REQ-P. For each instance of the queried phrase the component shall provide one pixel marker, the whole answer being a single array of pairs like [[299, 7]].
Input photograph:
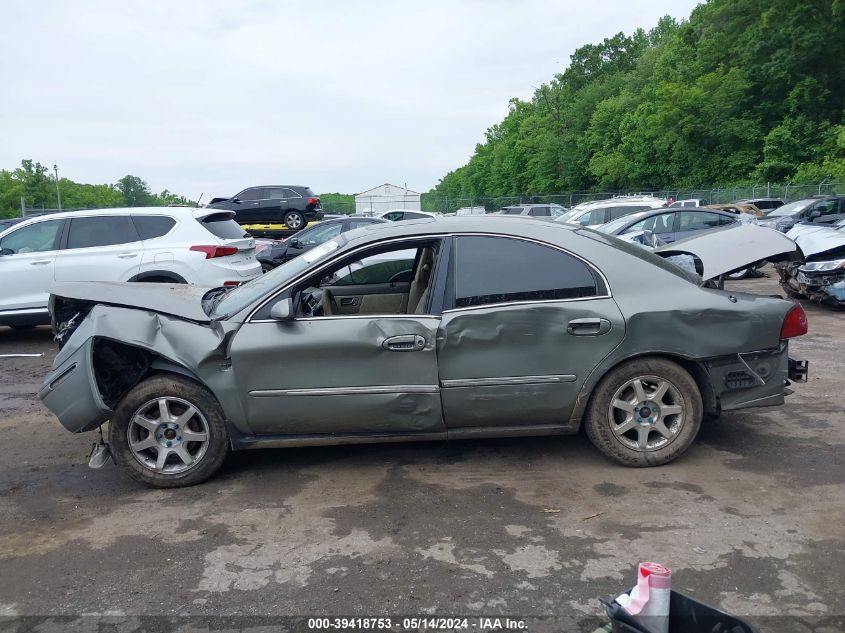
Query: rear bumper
[[754, 379]]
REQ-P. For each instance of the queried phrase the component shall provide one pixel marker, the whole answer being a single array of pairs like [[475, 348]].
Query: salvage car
[[426, 330], [819, 210], [822, 276], [283, 250]]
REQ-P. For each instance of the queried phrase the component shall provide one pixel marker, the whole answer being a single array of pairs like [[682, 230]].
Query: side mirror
[[236, 200], [815, 214], [295, 243], [282, 310]]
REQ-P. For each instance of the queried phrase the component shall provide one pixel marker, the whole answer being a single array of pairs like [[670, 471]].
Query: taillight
[[313, 201], [795, 323], [231, 284], [215, 251]]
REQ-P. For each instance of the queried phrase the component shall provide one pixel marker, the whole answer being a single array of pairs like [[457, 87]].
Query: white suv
[[156, 244]]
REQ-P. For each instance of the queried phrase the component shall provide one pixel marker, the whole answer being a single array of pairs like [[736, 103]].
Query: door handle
[[588, 327], [127, 255], [40, 262], [404, 343], [349, 301]]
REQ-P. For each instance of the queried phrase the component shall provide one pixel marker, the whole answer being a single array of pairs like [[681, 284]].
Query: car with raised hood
[[821, 277], [283, 250], [153, 245], [291, 205], [820, 210], [423, 330]]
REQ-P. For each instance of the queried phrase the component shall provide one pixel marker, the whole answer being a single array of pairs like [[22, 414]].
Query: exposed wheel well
[[118, 367]]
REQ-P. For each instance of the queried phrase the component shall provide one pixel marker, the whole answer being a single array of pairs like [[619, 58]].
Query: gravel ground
[[750, 519]]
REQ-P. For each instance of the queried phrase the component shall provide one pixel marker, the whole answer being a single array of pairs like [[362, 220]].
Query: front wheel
[[169, 432], [294, 220], [645, 412]]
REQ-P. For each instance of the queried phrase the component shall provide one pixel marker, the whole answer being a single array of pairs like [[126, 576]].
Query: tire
[[606, 422], [137, 417], [294, 220]]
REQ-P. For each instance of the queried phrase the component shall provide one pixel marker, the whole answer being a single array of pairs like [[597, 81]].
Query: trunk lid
[[725, 251]]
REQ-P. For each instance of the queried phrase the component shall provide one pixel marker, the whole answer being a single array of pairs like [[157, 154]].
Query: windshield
[[612, 227], [239, 298], [569, 215], [790, 209]]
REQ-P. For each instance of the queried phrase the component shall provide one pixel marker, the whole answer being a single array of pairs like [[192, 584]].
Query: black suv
[[291, 205]]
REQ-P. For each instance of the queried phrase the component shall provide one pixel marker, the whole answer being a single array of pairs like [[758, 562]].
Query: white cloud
[[198, 96]]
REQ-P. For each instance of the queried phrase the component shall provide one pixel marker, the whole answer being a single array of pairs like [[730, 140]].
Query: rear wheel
[[646, 412], [294, 220], [169, 432]]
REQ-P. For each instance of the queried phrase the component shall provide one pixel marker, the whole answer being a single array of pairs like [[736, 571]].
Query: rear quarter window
[[152, 226], [223, 226]]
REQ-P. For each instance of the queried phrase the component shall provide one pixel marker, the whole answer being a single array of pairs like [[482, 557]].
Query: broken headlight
[[818, 267]]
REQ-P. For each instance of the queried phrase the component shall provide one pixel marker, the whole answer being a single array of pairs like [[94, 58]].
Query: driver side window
[[35, 238], [380, 281]]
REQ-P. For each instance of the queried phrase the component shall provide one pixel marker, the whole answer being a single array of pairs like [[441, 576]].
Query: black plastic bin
[[686, 615]]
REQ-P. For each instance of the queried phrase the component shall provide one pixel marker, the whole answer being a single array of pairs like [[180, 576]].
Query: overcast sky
[[202, 96]]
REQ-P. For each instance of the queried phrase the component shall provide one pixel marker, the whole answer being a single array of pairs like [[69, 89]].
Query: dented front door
[[339, 375]]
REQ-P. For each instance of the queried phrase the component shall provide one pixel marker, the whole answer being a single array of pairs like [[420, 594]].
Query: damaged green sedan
[[432, 329]]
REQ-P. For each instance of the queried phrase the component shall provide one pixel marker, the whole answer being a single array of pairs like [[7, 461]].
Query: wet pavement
[[750, 519]]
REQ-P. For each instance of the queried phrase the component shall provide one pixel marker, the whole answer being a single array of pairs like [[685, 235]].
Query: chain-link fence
[[787, 192]]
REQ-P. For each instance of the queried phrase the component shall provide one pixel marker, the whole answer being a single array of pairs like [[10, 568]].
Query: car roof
[[639, 215], [516, 225], [288, 186], [194, 212]]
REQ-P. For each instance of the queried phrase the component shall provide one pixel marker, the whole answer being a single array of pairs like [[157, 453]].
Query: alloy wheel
[[168, 435], [647, 413]]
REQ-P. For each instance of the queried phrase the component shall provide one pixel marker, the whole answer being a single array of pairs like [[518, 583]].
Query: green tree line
[[32, 181], [743, 91]]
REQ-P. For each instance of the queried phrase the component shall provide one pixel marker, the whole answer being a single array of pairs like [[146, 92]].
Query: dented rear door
[[529, 323]]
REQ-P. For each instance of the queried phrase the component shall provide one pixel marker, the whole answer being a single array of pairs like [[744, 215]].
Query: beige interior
[[412, 302]]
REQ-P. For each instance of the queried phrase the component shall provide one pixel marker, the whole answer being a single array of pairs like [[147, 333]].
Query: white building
[[386, 197]]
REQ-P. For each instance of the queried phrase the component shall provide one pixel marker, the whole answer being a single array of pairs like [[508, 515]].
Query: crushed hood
[[731, 249], [179, 300], [814, 239]]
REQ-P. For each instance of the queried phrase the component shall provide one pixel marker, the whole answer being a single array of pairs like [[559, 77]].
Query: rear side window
[[276, 193], [152, 226], [500, 270], [106, 230], [539, 211], [698, 220], [223, 226], [513, 211]]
